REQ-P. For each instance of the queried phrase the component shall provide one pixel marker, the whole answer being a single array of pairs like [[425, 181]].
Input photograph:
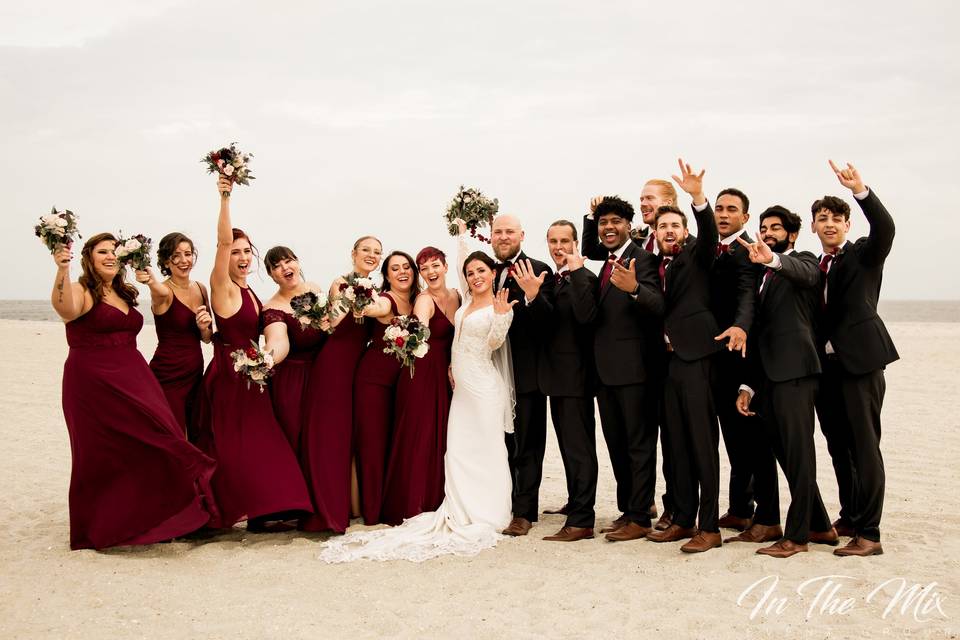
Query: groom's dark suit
[[527, 444], [564, 315]]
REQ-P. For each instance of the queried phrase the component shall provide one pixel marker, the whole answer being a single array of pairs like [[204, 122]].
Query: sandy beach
[[272, 586]]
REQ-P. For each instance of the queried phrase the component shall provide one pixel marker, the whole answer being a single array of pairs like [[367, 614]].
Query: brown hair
[[665, 209], [276, 254], [168, 246], [666, 186], [92, 282], [385, 269], [564, 223], [833, 204]]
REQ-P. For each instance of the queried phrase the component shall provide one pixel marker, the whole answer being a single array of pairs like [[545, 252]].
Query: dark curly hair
[[614, 205], [168, 246], [744, 200], [791, 222], [833, 204]]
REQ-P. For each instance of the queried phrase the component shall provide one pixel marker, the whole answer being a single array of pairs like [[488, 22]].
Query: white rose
[[120, 251], [365, 282], [421, 350], [268, 360], [349, 294], [228, 170], [238, 162], [60, 222], [322, 299]]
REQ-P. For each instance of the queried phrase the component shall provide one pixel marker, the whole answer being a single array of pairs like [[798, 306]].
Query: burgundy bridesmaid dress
[[374, 388], [178, 362], [288, 386], [414, 480], [257, 472], [326, 445], [135, 478]]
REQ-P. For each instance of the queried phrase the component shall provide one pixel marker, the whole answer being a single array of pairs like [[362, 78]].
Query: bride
[[476, 505]]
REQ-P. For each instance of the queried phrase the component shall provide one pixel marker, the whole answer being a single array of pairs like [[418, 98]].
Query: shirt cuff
[[746, 388], [775, 263], [863, 194], [700, 207]]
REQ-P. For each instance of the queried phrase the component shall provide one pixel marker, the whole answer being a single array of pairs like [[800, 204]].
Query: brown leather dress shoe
[[844, 529], [562, 511], [782, 549], [860, 546], [616, 524], [701, 542], [758, 533], [571, 534], [665, 521], [671, 534], [518, 527], [728, 521], [825, 537], [629, 531]]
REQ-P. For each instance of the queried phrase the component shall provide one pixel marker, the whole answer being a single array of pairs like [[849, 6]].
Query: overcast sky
[[365, 117]]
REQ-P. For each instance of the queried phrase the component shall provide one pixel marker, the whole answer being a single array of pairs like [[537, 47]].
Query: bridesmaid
[[293, 345], [135, 478], [257, 476], [326, 439], [414, 475], [375, 382], [182, 321]]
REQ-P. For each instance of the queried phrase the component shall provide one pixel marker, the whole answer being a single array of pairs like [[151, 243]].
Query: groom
[[526, 445]]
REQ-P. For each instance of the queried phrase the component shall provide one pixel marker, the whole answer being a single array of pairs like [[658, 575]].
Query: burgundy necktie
[[649, 243], [663, 273], [824, 268], [607, 270]]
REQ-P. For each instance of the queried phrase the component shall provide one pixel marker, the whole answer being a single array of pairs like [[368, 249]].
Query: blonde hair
[[666, 187]]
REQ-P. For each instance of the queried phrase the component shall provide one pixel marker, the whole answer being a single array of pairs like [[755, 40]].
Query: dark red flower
[[398, 341], [251, 353]]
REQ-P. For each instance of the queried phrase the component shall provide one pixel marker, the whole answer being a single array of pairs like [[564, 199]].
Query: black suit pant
[[575, 425]]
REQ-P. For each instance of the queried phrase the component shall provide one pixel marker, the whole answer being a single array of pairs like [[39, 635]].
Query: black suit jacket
[[621, 342], [850, 320], [689, 321], [733, 282], [564, 314], [524, 332], [783, 341]]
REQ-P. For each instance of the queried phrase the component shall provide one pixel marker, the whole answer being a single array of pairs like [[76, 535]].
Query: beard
[[781, 246]]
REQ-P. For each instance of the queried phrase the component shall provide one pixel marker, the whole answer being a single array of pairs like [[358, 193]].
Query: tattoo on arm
[[60, 289]]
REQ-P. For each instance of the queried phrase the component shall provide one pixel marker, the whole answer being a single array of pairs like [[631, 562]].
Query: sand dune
[[272, 586]]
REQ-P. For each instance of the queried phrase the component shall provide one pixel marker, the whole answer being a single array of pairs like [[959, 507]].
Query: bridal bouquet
[[406, 338], [230, 162], [311, 309], [134, 251], [57, 228], [474, 208], [356, 294], [253, 363]]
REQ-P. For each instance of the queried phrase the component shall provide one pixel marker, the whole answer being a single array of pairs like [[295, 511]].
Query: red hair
[[240, 233], [430, 253]]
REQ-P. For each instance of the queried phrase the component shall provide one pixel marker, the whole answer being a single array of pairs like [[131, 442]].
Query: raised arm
[[882, 228], [69, 299], [224, 296], [161, 296], [591, 238], [707, 234]]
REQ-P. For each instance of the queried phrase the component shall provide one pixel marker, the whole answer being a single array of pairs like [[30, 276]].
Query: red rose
[[398, 341], [252, 353], [343, 286]]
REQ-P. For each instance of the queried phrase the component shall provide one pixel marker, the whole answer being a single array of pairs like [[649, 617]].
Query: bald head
[[506, 236]]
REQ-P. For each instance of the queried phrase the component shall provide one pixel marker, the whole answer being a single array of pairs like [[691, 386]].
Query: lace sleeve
[[461, 258], [269, 316], [499, 328]]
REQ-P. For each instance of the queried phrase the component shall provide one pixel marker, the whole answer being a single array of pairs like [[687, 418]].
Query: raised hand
[[738, 340], [624, 278], [594, 203], [501, 303], [461, 226], [526, 278], [743, 404], [144, 276], [758, 252], [691, 182], [575, 260], [203, 318], [849, 177], [224, 185], [62, 256]]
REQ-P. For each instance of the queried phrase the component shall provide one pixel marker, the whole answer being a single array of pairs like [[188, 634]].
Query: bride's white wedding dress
[[477, 487]]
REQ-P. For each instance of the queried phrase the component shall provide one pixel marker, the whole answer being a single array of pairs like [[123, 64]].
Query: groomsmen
[[628, 300], [784, 370], [526, 445], [732, 291], [690, 331], [855, 348], [563, 315]]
